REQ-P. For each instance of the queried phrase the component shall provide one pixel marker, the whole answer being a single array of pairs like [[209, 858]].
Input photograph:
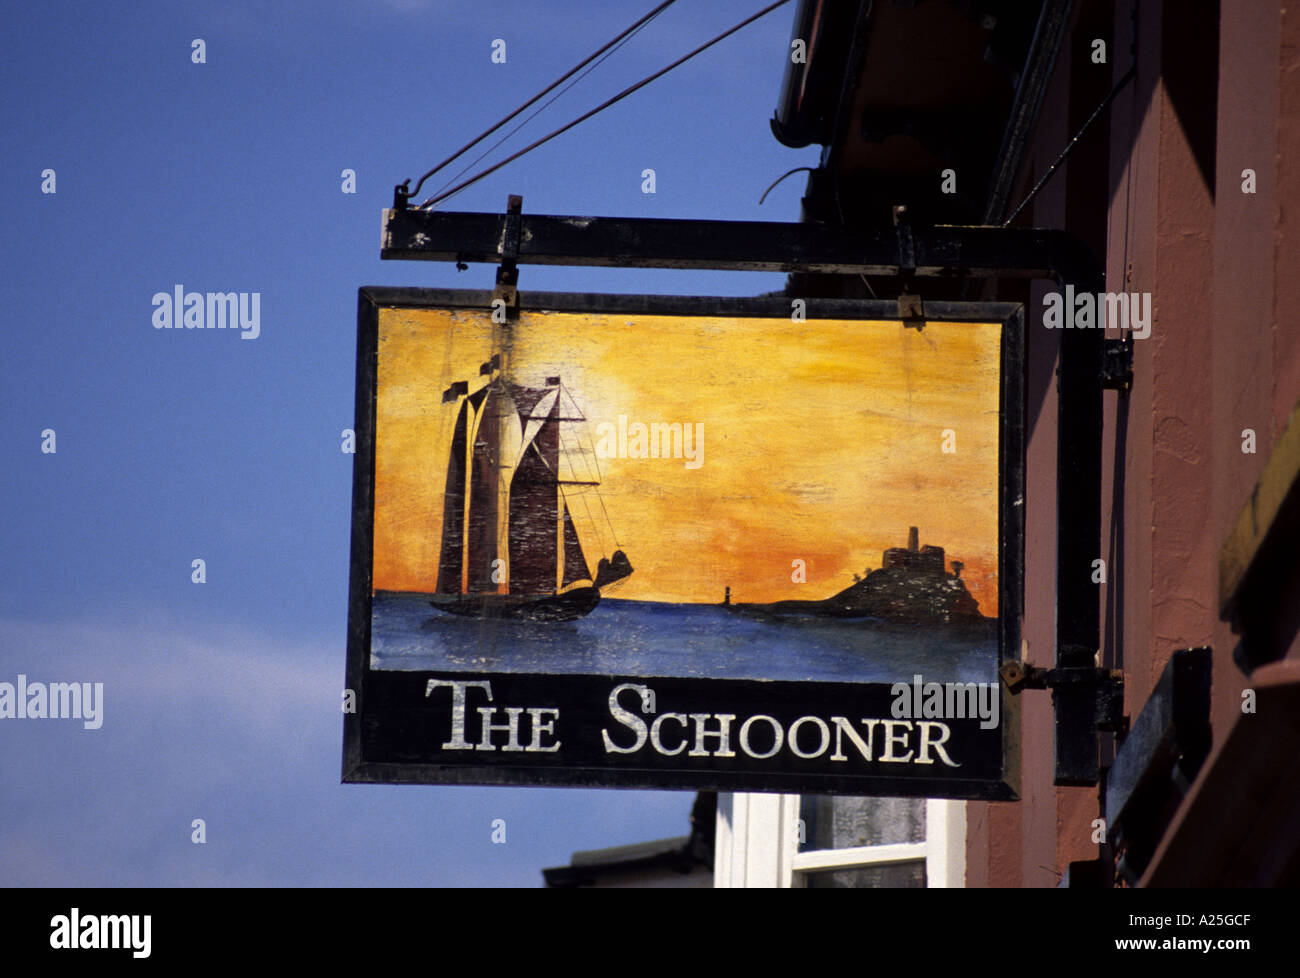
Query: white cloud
[[245, 730]]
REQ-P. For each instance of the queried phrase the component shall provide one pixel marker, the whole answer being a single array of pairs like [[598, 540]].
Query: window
[[823, 841]]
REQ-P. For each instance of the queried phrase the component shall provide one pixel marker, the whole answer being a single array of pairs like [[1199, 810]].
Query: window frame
[[757, 845]]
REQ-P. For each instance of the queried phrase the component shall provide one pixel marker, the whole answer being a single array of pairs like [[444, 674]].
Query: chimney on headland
[[913, 539]]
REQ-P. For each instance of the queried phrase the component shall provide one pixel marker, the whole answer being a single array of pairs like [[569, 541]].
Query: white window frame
[[757, 845]]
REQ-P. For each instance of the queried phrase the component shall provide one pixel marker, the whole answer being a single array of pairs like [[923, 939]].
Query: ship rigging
[[510, 546]]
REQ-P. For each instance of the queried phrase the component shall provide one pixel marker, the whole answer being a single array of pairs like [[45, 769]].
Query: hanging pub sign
[[643, 541]]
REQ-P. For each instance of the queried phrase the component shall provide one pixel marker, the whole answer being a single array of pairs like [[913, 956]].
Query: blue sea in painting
[[646, 638]]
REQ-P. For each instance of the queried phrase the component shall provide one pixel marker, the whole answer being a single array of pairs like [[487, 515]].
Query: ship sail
[[526, 398], [483, 492], [534, 510], [505, 497], [451, 564], [575, 562]]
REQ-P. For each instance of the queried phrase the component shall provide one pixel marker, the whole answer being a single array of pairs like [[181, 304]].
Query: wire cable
[[548, 103], [604, 105], [787, 173], [1128, 77], [549, 88]]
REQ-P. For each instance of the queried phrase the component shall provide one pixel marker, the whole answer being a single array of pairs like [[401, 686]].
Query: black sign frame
[[389, 729]]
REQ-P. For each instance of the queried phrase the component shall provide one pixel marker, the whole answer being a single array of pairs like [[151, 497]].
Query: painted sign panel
[[712, 543]]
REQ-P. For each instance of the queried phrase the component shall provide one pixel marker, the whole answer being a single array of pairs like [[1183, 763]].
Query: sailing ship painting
[[589, 492], [504, 482]]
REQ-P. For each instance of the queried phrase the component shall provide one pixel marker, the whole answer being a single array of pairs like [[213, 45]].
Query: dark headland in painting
[[912, 586]]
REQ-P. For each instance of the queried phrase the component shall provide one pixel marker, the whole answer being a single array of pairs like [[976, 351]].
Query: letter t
[[458, 741]]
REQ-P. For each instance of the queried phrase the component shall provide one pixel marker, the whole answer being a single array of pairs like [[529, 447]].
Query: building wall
[[1223, 355], [1243, 371]]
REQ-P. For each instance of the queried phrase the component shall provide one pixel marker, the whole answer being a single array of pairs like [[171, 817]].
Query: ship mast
[[485, 494], [508, 518], [451, 560]]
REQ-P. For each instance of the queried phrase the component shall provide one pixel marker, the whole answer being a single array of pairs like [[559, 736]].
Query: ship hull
[[566, 606]]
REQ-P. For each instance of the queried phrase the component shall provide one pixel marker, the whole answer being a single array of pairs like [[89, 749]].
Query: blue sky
[[222, 699]]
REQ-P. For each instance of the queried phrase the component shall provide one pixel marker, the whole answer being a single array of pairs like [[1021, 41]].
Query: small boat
[[510, 547]]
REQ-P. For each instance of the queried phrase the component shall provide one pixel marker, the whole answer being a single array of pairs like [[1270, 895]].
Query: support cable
[[549, 88], [544, 106], [787, 173], [1047, 175], [600, 108]]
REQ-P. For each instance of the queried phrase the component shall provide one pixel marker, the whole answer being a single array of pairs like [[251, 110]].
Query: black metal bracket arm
[[752, 246], [1104, 686]]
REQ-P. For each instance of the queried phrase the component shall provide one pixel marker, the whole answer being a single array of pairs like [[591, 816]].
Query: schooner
[[510, 547]]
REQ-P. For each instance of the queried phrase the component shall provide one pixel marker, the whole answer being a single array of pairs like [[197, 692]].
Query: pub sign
[[685, 542]]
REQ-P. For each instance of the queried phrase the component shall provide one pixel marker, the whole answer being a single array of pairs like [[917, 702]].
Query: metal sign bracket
[[507, 285], [1117, 365], [1088, 362], [1075, 673]]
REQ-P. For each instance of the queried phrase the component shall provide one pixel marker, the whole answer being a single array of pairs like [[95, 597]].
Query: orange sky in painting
[[821, 443]]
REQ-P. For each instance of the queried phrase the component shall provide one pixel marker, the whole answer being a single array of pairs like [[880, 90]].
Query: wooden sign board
[[644, 541]]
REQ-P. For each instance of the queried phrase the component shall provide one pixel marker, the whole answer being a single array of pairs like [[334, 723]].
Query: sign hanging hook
[[507, 286]]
